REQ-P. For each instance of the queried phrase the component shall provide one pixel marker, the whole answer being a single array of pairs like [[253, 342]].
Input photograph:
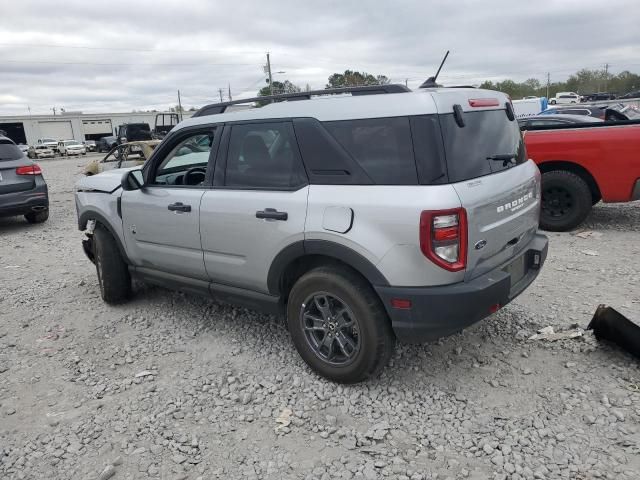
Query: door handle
[[179, 207], [272, 213]]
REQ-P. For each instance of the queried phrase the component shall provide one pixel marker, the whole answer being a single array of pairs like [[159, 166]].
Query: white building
[[73, 125]]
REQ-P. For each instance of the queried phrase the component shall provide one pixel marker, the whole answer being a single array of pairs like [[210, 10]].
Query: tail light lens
[[443, 238], [29, 170]]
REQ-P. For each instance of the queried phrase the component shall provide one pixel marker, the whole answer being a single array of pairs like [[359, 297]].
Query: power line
[[131, 64], [159, 50]]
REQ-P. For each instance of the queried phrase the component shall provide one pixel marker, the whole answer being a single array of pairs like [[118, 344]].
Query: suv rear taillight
[[443, 237], [29, 170]]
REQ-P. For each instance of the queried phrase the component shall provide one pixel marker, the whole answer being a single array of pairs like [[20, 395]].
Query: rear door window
[[9, 151], [381, 146], [487, 134], [264, 156]]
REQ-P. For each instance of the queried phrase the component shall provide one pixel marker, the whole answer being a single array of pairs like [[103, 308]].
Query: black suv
[[131, 132]]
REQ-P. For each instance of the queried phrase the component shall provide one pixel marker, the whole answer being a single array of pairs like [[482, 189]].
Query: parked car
[[130, 132], [565, 97], [549, 120], [49, 142], [633, 94], [333, 213], [71, 147], [581, 166], [121, 156], [597, 97], [105, 144], [23, 190], [598, 111], [610, 113], [40, 151], [90, 145]]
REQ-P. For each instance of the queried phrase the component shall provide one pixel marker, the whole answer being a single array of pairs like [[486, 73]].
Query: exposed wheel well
[[578, 170], [301, 265]]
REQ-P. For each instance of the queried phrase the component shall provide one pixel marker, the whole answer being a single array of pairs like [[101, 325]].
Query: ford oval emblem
[[480, 245]]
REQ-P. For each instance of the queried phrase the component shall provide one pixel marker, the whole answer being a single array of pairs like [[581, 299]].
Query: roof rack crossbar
[[216, 108]]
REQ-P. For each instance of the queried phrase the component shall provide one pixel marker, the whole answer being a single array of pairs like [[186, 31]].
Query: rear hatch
[[11, 158], [497, 186]]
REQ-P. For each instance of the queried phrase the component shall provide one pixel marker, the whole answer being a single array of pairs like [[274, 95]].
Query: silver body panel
[[238, 247], [502, 212], [158, 238]]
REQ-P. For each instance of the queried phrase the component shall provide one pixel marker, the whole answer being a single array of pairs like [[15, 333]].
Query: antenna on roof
[[431, 81]]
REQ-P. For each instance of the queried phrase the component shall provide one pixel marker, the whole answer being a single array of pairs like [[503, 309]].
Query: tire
[[113, 273], [552, 102], [37, 217], [371, 338], [566, 201]]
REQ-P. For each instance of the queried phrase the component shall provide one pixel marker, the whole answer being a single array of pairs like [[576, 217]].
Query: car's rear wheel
[[113, 274], [566, 201], [338, 325], [37, 217]]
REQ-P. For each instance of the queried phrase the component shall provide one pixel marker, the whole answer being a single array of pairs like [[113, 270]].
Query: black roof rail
[[216, 108]]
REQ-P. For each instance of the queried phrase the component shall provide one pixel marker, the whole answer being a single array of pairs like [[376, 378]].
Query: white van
[[565, 97]]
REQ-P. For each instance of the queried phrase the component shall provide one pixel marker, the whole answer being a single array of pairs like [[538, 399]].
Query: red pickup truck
[[582, 164]]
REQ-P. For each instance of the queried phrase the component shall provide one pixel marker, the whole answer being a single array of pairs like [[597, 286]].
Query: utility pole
[[230, 99], [220, 92], [179, 105], [606, 75], [406, 82], [54, 111], [548, 83], [269, 72]]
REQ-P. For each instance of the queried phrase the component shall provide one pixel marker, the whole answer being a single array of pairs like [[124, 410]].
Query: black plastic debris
[[609, 324]]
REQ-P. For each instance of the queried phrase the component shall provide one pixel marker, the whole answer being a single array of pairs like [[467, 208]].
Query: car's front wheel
[[113, 274], [338, 325]]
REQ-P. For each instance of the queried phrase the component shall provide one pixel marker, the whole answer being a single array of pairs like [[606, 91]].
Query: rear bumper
[[440, 311], [20, 203]]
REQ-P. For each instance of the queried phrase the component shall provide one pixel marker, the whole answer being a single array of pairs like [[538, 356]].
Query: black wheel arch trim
[[326, 248], [101, 219]]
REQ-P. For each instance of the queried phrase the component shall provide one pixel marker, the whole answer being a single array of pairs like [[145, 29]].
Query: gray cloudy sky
[[114, 55]]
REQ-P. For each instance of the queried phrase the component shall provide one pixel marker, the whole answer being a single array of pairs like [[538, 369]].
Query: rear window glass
[[8, 151], [486, 134], [381, 146]]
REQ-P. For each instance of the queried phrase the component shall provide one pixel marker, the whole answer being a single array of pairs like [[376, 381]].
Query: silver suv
[[365, 217]]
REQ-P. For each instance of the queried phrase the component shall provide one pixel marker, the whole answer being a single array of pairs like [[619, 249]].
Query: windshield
[[489, 142], [8, 151], [71, 143]]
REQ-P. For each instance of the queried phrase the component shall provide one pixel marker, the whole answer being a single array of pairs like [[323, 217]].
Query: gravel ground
[[172, 386]]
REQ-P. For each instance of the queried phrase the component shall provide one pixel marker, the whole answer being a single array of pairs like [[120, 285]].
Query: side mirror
[[132, 180]]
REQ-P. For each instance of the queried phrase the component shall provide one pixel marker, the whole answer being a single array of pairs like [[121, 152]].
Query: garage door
[[95, 129], [57, 130]]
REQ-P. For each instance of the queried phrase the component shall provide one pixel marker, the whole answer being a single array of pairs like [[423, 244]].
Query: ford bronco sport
[[365, 217]]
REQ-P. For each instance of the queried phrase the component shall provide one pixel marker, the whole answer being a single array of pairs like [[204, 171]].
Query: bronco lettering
[[515, 204]]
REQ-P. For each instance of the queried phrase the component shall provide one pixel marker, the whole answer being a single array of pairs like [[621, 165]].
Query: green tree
[[352, 78], [279, 88]]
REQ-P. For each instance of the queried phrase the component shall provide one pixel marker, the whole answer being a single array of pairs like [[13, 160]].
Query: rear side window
[[471, 150], [264, 156], [8, 151], [381, 146]]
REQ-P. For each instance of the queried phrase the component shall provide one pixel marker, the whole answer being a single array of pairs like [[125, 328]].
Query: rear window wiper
[[505, 158]]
